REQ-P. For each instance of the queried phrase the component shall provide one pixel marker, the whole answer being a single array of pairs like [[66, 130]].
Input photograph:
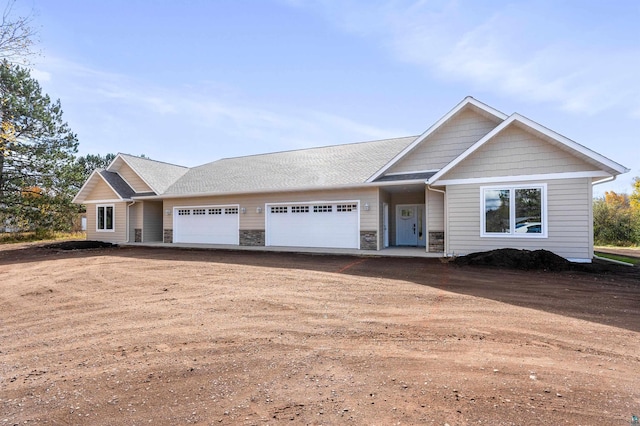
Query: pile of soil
[[516, 259], [79, 245]]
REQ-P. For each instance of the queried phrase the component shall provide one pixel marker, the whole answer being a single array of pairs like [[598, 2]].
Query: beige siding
[[251, 220], [448, 142], [435, 211], [152, 228], [384, 197], [133, 179], [119, 235], [569, 221], [101, 191], [515, 152], [135, 220]]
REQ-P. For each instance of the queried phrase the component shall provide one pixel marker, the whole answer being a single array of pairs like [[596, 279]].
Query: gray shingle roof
[[118, 184], [309, 168], [157, 174], [406, 176]]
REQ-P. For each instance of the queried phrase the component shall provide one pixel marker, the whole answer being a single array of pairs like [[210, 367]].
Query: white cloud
[[527, 51], [114, 113]]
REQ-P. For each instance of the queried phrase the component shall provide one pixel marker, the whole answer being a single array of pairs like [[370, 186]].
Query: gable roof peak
[[467, 102]]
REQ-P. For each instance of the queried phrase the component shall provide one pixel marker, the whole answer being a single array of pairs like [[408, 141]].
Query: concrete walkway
[[390, 251]]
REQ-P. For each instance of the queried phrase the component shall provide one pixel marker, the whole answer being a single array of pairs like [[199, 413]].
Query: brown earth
[[165, 336]]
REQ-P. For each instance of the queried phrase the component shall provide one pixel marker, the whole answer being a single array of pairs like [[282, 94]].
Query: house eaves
[[603, 162]]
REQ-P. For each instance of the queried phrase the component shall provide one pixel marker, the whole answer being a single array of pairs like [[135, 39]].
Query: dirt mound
[[78, 245], [516, 259]]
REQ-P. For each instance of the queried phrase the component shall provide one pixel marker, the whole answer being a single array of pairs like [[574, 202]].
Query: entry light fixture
[[243, 210], [258, 209], [167, 212], [366, 206]]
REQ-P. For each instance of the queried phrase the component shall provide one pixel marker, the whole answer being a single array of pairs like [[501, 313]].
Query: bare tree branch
[[16, 36]]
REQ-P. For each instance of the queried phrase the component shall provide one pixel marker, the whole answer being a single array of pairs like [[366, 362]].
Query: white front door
[[406, 226], [410, 220]]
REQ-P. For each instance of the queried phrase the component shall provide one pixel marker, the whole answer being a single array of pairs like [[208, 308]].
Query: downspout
[[128, 230], [446, 223]]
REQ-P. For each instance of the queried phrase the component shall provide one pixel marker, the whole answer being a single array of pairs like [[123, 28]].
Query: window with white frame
[[514, 211], [105, 217]]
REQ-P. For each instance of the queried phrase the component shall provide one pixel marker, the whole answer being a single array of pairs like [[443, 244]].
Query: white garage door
[[206, 224], [326, 224]]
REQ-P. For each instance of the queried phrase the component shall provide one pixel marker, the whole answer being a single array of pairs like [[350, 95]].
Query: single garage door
[[326, 224], [206, 224]]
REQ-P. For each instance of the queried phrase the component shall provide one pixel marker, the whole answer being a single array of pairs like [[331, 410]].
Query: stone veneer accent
[[251, 237], [138, 235], [436, 242], [168, 236], [368, 240]]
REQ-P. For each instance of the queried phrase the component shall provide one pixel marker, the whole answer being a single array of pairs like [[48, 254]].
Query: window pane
[[100, 217], [496, 210], [109, 218], [528, 210]]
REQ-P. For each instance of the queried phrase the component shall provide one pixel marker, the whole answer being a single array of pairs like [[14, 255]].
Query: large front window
[[514, 211], [104, 218]]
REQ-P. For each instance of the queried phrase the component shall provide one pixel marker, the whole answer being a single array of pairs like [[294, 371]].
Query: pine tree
[[36, 155]]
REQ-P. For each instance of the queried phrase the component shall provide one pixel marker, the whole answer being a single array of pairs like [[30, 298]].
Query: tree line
[[616, 218]]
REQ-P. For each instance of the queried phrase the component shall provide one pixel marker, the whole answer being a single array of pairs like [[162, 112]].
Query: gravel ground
[[135, 335]]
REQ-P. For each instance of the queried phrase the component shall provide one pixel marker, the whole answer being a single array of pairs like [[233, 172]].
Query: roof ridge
[[150, 159], [315, 148]]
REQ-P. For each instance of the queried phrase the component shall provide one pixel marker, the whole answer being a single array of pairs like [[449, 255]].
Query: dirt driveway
[[164, 336]]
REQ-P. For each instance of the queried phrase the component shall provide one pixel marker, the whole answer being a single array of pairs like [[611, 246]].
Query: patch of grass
[[25, 237], [618, 257]]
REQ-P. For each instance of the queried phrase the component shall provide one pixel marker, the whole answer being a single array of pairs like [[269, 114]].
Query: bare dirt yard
[[136, 336]]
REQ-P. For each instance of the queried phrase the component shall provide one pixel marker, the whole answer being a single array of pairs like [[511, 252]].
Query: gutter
[[605, 180]]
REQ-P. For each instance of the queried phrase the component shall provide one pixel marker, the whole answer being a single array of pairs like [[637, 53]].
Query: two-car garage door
[[320, 224], [206, 224], [325, 224]]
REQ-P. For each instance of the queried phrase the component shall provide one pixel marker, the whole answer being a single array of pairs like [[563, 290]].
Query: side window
[[105, 218], [513, 211]]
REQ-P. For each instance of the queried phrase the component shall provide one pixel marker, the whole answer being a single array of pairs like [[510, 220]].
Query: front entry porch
[[412, 217]]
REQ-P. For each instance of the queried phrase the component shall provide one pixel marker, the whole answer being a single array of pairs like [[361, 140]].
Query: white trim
[[302, 203], [578, 259], [82, 188], [522, 178], [534, 126], [137, 173], [466, 101], [107, 201], [95, 172], [113, 217], [512, 212], [571, 144]]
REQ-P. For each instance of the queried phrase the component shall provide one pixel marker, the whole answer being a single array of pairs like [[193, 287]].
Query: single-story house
[[476, 180]]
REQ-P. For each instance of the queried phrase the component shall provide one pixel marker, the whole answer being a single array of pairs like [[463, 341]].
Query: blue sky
[[190, 82]]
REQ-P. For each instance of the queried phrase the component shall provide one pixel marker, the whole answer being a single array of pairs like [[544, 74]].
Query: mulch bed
[[78, 245], [541, 260]]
